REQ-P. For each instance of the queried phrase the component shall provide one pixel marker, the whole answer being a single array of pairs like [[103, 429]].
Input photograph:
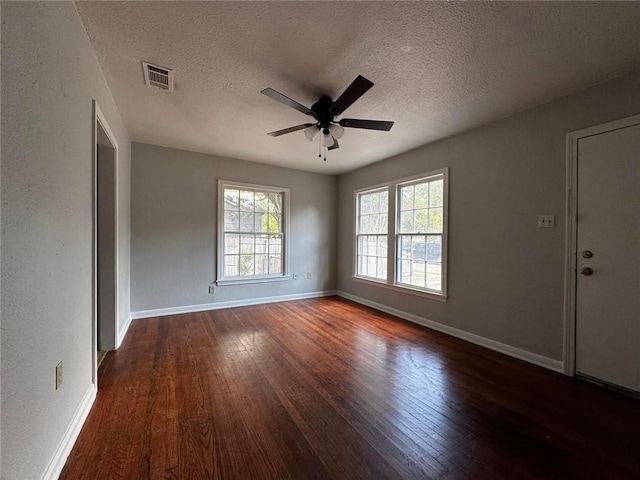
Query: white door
[[608, 257]]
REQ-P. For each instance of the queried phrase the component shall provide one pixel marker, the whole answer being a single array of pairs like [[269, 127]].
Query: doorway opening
[[105, 240]]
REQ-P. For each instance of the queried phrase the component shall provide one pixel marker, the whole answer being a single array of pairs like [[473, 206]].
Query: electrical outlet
[[212, 289], [309, 275], [58, 375], [295, 276], [546, 221]]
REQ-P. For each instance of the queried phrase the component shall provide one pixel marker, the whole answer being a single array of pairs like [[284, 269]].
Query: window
[[253, 224], [416, 219], [419, 233], [372, 231]]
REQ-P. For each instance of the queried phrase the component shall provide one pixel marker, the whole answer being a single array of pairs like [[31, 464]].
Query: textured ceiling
[[438, 68]]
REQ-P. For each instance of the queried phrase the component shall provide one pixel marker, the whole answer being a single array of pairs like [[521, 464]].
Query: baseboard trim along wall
[[123, 331], [70, 436], [161, 312], [551, 364]]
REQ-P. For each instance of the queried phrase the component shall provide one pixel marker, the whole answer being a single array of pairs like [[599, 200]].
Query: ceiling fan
[[324, 112]]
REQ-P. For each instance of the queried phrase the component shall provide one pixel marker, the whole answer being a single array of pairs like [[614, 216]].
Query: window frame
[[391, 282], [237, 280], [358, 193]]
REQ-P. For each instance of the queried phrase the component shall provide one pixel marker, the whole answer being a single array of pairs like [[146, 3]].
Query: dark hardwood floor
[[326, 388]]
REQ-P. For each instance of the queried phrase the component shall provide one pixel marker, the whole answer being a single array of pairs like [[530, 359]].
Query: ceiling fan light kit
[[324, 112]]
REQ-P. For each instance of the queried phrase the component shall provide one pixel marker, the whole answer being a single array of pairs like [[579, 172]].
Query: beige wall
[[173, 244], [506, 276], [50, 77]]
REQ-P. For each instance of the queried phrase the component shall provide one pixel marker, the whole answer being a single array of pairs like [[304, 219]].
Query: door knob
[[587, 254], [586, 271]]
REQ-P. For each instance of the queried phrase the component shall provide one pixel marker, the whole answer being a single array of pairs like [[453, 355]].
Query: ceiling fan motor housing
[[321, 113]]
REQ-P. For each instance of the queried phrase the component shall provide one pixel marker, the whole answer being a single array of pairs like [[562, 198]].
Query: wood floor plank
[[326, 388]]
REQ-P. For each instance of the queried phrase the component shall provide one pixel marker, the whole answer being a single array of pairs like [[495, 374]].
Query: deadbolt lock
[[586, 271], [587, 254]]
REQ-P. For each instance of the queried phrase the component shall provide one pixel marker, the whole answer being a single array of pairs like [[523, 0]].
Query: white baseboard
[[551, 364], [70, 436], [161, 312], [123, 331]]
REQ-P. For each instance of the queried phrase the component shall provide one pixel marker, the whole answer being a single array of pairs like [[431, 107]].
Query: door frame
[[99, 119], [571, 230]]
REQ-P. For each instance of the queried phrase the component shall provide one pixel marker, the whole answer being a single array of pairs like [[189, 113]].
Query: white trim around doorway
[[99, 118], [569, 331]]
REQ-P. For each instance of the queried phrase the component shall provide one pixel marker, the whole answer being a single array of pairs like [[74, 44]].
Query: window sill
[[402, 289], [244, 281]]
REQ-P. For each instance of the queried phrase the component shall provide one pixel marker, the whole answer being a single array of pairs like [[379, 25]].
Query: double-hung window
[[419, 234], [401, 240], [372, 233], [252, 233]]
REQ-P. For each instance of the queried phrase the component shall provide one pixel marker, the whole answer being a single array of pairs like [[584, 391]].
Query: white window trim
[[222, 184], [392, 245]]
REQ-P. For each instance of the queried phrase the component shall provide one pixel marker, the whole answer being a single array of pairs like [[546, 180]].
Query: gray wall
[[505, 275], [173, 242], [49, 77]]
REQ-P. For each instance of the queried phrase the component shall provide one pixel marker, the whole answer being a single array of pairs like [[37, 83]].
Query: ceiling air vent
[[157, 76]]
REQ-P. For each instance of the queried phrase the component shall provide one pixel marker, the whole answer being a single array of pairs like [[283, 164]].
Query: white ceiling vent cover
[[157, 76]]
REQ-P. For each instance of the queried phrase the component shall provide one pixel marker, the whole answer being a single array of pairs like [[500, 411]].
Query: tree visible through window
[[253, 232]]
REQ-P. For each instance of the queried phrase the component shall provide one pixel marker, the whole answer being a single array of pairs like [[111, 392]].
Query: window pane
[[231, 199], [404, 247], [434, 249], [404, 271], [364, 224], [434, 277], [261, 202], [231, 243], [406, 221], [246, 222], [435, 220], [246, 201], [275, 203], [384, 201], [261, 244], [261, 264], [422, 195], [375, 202], [271, 223], [421, 220], [418, 272], [406, 197], [381, 268], [436, 189], [275, 264], [246, 265], [231, 265], [382, 223], [382, 247], [418, 248], [231, 221]]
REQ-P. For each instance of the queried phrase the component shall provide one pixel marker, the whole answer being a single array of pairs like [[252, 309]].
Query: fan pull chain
[[325, 147]]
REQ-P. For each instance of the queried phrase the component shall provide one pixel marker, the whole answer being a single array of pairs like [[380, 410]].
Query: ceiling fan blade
[[335, 145], [353, 92], [368, 124], [277, 133], [270, 92]]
